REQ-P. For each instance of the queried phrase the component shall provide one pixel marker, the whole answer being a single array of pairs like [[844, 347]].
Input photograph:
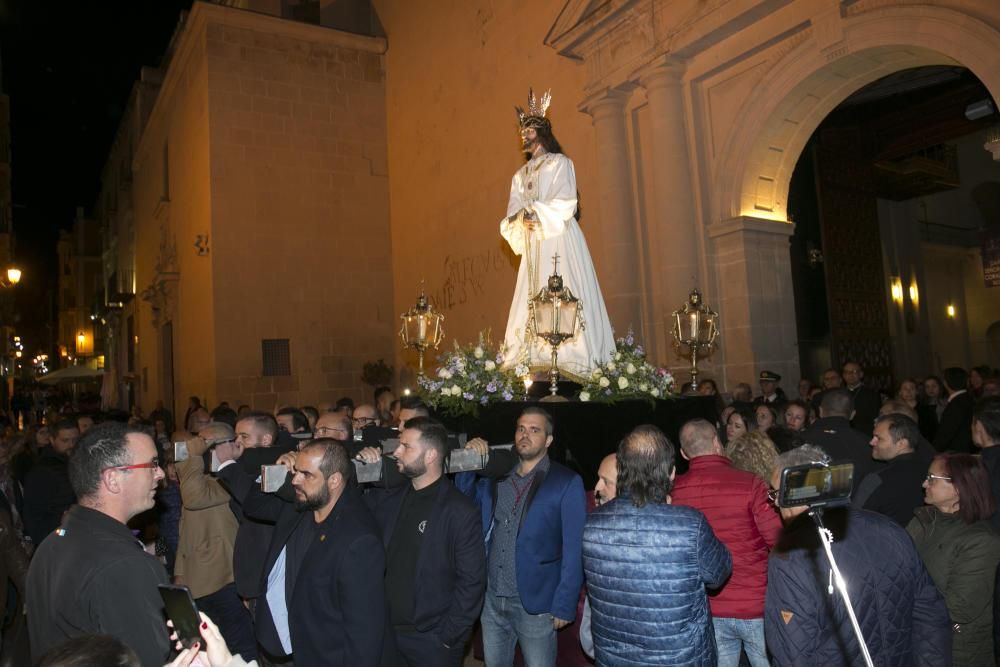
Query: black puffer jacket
[[902, 615]]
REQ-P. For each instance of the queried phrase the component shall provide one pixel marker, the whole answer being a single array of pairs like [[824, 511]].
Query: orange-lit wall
[[452, 82], [276, 134]]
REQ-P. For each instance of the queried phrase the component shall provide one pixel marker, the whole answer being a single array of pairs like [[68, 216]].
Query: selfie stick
[[826, 537]]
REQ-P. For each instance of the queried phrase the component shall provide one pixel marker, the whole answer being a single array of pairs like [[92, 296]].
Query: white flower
[[597, 373], [643, 387], [622, 382], [604, 382], [611, 366], [584, 396], [446, 391], [654, 392], [630, 369], [489, 365], [456, 390], [444, 373], [478, 352], [618, 356], [520, 370]]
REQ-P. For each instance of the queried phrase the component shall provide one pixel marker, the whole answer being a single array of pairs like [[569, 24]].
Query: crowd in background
[[514, 562]]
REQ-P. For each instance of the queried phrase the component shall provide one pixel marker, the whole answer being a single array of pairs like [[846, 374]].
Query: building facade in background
[[307, 166]]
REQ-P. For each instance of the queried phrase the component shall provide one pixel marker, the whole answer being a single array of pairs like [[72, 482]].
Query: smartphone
[[272, 477], [816, 485], [182, 610], [180, 452]]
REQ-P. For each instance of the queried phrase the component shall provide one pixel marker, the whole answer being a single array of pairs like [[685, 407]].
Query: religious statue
[[541, 222]]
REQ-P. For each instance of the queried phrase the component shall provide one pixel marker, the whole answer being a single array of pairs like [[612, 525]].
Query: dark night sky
[[68, 68]]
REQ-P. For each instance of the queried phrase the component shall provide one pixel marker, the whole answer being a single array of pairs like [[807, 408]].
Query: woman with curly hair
[[753, 452]]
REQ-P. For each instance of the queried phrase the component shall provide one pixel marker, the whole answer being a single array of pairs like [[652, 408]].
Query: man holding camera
[[435, 561], [901, 613]]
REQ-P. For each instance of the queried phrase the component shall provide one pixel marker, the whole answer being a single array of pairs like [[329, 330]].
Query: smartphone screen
[[816, 484], [182, 610]]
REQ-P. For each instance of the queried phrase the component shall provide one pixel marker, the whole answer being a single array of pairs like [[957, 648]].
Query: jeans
[[226, 609], [733, 633], [506, 624]]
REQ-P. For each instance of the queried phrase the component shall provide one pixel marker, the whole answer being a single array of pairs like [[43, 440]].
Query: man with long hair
[[541, 225]]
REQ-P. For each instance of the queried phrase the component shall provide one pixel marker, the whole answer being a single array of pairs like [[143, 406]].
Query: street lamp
[[555, 317], [422, 328], [695, 327], [13, 276]]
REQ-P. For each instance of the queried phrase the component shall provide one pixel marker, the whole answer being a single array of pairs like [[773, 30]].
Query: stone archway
[[753, 176], [746, 204]]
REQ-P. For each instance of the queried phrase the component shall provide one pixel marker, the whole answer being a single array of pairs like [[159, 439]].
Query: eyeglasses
[[930, 478], [213, 443], [364, 420], [328, 429], [155, 463]]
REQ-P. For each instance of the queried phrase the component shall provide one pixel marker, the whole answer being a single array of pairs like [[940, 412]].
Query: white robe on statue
[[547, 185]]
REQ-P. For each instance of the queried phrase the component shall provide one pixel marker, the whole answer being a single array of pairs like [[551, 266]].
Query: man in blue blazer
[[435, 561], [323, 595], [533, 520]]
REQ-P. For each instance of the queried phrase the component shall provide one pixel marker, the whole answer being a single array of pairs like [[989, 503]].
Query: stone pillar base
[[755, 301]]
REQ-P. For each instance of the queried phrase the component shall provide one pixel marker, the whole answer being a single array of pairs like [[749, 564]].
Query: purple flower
[[491, 387], [507, 396], [629, 340], [473, 377], [467, 396], [484, 400], [639, 350], [499, 358]]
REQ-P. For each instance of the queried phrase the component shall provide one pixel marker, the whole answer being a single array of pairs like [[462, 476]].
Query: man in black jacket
[[833, 433], [93, 577], [954, 432], [435, 558], [239, 468], [902, 614], [867, 401], [47, 489], [324, 596], [897, 489]]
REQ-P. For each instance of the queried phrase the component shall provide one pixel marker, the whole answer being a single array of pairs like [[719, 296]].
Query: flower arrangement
[[627, 375], [470, 377]]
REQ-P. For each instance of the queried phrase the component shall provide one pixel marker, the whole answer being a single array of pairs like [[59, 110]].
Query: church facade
[[685, 120]]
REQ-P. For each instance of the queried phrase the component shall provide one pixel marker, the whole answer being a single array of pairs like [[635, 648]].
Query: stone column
[[672, 226], [619, 253], [756, 301]]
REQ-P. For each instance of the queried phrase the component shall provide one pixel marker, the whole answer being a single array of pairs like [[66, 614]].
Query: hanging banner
[[990, 240]]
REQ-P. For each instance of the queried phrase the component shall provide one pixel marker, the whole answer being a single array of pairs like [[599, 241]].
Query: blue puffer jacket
[[901, 613], [647, 569]]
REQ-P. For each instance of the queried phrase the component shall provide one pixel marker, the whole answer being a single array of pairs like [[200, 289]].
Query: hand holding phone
[[182, 612]]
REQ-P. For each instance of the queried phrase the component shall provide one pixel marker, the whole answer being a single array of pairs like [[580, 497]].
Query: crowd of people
[[291, 559]]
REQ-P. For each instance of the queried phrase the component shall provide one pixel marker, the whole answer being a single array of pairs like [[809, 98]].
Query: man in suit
[[533, 517], [47, 489], [324, 594], [770, 393], [833, 433], [239, 468], [955, 429], [207, 538], [435, 561], [866, 400]]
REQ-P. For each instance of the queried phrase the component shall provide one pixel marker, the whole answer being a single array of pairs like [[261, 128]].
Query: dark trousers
[[226, 610], [424, 649]]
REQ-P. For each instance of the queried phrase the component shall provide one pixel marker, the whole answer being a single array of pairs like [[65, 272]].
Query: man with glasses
[[364, 416], [94, 577], [333, 425], [208, 535], [895, 489]]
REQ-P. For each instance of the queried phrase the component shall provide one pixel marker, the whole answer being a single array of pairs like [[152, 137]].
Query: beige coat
[[207, 531]]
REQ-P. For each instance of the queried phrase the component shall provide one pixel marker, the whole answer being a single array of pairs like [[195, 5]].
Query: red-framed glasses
[[155, 463]]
